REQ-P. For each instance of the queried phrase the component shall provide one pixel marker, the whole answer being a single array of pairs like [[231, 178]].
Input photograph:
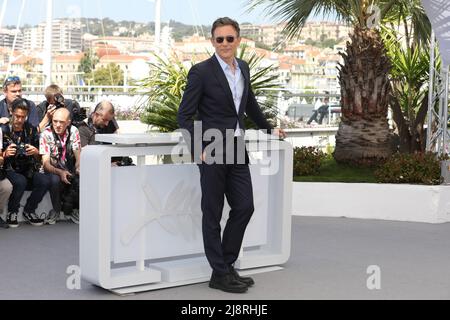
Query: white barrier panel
[[140, 226], [401, 202]]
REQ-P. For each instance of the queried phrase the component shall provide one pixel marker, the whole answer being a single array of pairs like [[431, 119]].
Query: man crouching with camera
[[60, 149], [101, 121], [22, 162], [54, 100]]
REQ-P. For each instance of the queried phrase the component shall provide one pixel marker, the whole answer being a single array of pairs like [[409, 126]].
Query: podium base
[[154, 286]]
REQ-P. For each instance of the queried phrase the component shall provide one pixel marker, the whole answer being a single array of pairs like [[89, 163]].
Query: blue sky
[[186, 11]]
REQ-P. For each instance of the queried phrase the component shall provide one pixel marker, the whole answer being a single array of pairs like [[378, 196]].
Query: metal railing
[[129, 97]]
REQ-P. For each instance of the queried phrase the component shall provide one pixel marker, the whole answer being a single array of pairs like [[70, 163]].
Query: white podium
[[140, 226]]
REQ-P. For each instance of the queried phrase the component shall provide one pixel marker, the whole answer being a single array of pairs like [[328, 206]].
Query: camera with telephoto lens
[[125, 161], [79, 116], [59, 101]]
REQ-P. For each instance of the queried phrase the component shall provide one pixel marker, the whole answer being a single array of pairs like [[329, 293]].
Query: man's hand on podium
[[279, 133]]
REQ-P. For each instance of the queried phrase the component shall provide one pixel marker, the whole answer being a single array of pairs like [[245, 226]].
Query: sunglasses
[[230, 39], [10, 79]]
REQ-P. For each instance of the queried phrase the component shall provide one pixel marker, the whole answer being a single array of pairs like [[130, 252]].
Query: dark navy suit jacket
[[208, 98]]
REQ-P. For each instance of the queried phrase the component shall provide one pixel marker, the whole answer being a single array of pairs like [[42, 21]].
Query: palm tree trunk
[[363, 142], [363, 136]]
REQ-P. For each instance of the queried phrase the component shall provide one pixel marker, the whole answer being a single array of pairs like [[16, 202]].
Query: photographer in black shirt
[[55, 100], [22, 162]]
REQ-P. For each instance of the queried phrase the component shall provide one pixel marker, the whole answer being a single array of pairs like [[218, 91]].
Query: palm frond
[[163, 89], [297, 12]]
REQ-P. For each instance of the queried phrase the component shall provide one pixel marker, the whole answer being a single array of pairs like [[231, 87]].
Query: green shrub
[[416, 168], [307, 160]]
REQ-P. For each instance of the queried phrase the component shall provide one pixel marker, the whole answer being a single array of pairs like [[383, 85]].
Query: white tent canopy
[[438, 11]]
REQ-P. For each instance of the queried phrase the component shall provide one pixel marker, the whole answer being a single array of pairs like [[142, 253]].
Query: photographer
[[12, 89], [322, 111], [20, 142], [60, 149], [5, 186], [55, 100], [101, 121]]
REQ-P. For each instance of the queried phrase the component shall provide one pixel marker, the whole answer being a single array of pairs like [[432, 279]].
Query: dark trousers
[[39, 186], [55, 189], [234, 182]]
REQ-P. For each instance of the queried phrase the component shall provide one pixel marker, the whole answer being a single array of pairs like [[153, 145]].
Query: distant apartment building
[[66, 37], [125, 45], [33, 38], [125, 62], [270, 35], [6, 55], [7, 39], [300, 51], [102, 49], [274, 36], [65, 69], [316, 31], [305, 66], [252, 31], [193, 48], [26, 67]]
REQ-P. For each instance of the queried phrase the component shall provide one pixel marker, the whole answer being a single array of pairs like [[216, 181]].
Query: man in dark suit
[[218, 93]]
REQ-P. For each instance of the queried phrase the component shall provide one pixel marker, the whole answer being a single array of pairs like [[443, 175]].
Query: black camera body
[[79, 116], [125, 161], [21, 150], [59, 100], [23, 163]]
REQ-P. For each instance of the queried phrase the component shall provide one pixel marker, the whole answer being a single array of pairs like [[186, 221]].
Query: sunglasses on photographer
[[11, 79], [230, 39]]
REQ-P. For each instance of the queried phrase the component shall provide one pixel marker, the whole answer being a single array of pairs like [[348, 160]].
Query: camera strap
[[90, 124], [27, 132], [59, 144], [92, 128]]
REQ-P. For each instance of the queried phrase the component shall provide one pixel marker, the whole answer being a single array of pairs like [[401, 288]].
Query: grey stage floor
[[329, 260]]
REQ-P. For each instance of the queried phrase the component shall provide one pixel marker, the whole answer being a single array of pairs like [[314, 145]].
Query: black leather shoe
[[227, 283], [247, 280], [3, 224]]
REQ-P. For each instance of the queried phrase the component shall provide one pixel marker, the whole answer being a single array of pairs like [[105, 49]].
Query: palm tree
[[406, 34], [164, 88], [363, 136], [409, 94]]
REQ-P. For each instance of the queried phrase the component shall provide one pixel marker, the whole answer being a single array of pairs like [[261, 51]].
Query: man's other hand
[[10, 150], [31, 150], [64, 175]]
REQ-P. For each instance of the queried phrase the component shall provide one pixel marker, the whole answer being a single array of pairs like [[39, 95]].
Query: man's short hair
[[11, 80], [51, 90], [21, 104], [102, 105], [225, 21]]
